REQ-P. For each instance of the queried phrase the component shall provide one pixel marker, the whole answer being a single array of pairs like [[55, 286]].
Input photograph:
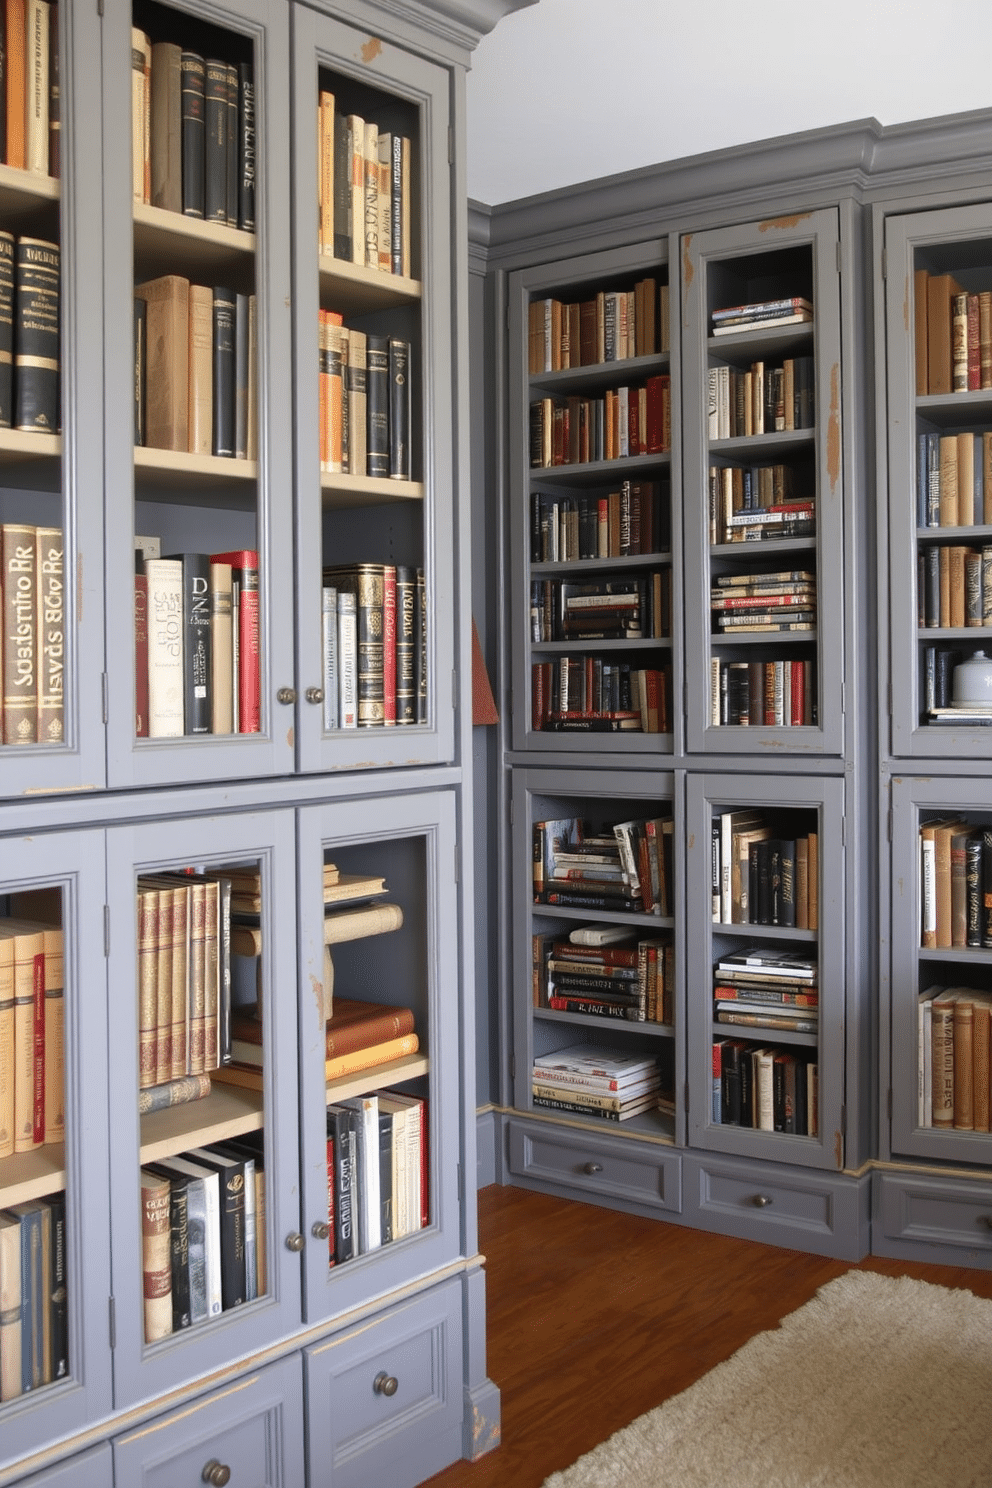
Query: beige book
[[813, 879], [211, 973], [964, 1086], [942, 1062], [165, 114], [197, 978], [18, 581], [54, 1033], [50, 633], [356, 135], [10, 1307], [357, 392], [201, 375], [163, 983], [147, 980], [948, 480], [370, 200], [980, 1048], [221, 649], [325, 172], [166, 717], [385, 201], [356, 924], [141, 61], [29, 1067], [7, 1062], [405, 207], [156, 1265], [966, 479], [172, 977], [36, 54], [167, 366]]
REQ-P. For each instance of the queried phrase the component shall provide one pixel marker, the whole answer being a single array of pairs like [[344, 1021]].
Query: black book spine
[[378, 394], [746, 1071], [232, 140], [973, 885], [140, 332], [215, 112], [420, 643], [406, 637], [59, 1300], [231, 1173], [986, 920], [396, 203], [247, 156], [36, 335], [241, 377], [6, 329], [193, 133], [341, 1126], [786, 913], [197, 701], [179, 1253], [54, 95], [400, 412], [386, 1175], [342, 188], [730, 1084], [225, 315]]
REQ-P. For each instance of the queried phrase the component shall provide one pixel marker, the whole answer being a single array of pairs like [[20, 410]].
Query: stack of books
[[607, 1084], [780, 601], [631, 979], [623, 866], [359, 1036], [763, 988], [794, 310]]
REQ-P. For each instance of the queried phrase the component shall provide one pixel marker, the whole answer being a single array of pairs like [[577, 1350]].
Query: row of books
[[953, 335], [197, 644], [624, 422], [762, 400], [760, 875], [363, 190], [202, 1234], [953, 1059], [769, 694], [633, 608], [34, 1300], [937, 685], [626, 865], [768, 1089], [765, 988], [32, 604], [374, 636], [750, 502], [378, 1184], [195, 368], [32, 1039], [631, 978], [611, 326], [30, 341], [624, 523], [955, 883], [592, 694], [184, 975], [781, 600], [604, 1084], [365, 401], [954, 585], [785, 311], [359, 1035], [30, 102], [193, 144], [954, 479]]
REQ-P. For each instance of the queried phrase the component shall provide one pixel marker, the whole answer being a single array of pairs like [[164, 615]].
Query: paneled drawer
[[822, 1213], [253, 1427], [385, 1398], [932, 1218], [93, 1469], [595, 1166]]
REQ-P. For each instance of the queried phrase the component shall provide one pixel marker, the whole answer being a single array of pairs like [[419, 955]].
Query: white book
[[329, 638], [398, 1110], [165, 648], [367, 1163], [764, 1096], [347, 661], [36, 27], [203, 1211]]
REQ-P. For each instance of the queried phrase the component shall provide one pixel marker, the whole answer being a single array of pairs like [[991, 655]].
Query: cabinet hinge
[[106, 929], [457, 864], [513, 1066], [843, 831], [888, 1103], [885, 263], [454, 689], [510, 804], [99, 7], [888, 817], [105, 689], [451, 145], [685, 1097], [112, 1321], [843, 698], [838, 248]]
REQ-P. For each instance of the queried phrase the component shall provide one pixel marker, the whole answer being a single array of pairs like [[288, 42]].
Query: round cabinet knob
[[762, 1200], [286, 695], [216, 1473], [314, 694], [385, 1384], [294, 1241], [987, 1221], [320, 1231], [591, 1167]]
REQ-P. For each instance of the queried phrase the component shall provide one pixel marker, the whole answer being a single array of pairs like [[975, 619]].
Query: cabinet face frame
[[74, 861], [428, 818], [322, 43], [948, 236], [580, 276], [266, 504], [701, 254], [707, 795], [613, 798], [78, 763], [269, 838]]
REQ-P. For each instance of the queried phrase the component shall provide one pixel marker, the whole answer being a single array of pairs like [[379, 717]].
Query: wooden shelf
[[32, 1175], [174, 470], [228, 1111], [353, 288], [410, 1067], [205, 251], [366, 490]]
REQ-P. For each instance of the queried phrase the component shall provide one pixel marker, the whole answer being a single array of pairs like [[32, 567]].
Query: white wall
[[568, 90]]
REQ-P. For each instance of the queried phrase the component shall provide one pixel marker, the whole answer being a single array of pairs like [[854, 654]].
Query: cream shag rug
[[877, 1382]]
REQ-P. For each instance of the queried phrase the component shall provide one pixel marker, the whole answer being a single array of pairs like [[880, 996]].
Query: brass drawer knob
[[385, 1384], [762, 1200], [294, 1241], [319, 1230], [592, 1167], [314, 694], [286, 695], [216, 1473]]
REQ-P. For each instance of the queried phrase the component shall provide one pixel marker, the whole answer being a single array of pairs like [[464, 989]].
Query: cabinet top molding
[[461, 23]]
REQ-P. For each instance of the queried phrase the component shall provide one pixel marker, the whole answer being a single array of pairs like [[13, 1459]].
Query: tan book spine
[[166, 126], [197, 978], [7, 1046], [167, 367], [941, 289], [222, 649], [949, 480], [29, 1035], [163, 985], [356, 373], [325, 172], [10, 1307], [16, 76], [966, 479], [36, 18], [156, 1262], [980, 1032], [246, 940], [942, 1065], [384, 174], [985, 338], [959, 343], [54, 1034], [813, 877], [211, 974], [964, 1087], [942, 881], [147, 972], [20, 652], [141, 61], [178, 1033], [200, 376], [50, 631]]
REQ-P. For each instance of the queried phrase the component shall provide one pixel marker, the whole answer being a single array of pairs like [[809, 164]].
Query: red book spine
[[974, 351], [38, 1064], [330, 1199], [798, 694], [140, 656], [389, 645]]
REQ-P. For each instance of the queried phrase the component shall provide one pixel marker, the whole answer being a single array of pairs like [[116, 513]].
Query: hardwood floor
[[594, 1317]]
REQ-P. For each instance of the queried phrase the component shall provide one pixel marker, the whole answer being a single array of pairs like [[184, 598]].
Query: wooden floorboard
[[594, 1317]]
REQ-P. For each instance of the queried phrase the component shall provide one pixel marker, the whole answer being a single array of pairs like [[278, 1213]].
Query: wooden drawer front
[[934, 1211], [385, 1399], [94, 1469], [595, 1164], [806, 1211], [254, 1427]]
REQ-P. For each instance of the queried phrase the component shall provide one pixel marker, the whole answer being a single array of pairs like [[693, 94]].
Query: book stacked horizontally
[[764, 988], [780, 601], [794, 310], [359, 1036], [630, 977], [624, 866], [606, 1084]]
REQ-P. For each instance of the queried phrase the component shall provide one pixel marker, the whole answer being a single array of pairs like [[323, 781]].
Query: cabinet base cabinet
[[93, 1469], [385, 1402], [595, 1168], [926, 1217], [824, 1214], [253, 1428]]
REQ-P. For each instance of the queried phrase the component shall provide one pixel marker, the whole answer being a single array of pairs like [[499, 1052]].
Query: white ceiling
[[568, 90]]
